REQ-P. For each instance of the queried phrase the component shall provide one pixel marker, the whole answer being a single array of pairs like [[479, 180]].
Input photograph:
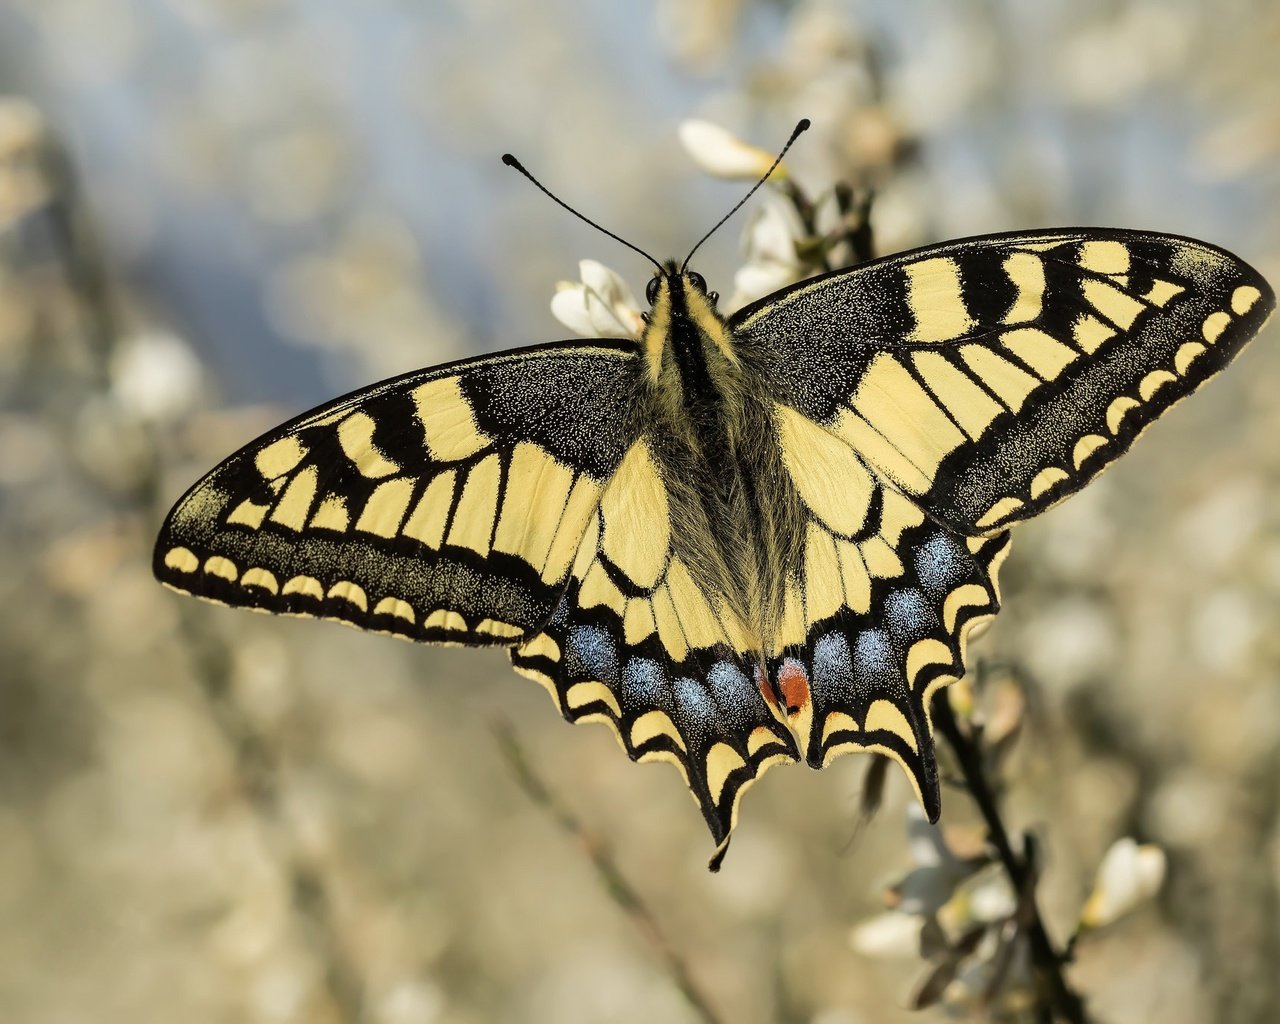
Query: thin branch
[[615, 883], [1060, 999]]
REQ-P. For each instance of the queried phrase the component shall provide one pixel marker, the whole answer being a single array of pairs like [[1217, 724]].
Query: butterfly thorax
[[736, 519]]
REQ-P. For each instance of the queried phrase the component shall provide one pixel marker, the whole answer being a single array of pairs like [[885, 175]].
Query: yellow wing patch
[[833, 482], [355, 435], [901, 411], [449, 422], [936, 300], [636, 531], [395, 510]]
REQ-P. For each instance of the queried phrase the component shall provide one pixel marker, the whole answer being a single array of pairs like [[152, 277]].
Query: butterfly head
[[670, 279], [676, 295], [682, 322]]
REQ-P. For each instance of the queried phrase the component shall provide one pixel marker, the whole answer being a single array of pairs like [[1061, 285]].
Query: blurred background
[[217, 213]]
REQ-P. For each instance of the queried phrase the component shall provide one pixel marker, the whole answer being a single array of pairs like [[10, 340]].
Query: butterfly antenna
[[801, 126], [511, 161]]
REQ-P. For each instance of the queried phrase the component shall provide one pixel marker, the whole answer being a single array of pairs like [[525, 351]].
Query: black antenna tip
[[511, 161], [801, 125]]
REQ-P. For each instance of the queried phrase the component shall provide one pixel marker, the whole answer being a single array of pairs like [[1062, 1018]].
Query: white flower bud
[[155, 376], [721, 153], [599, 306], [772, 262], [1128, 876], [887, 934]]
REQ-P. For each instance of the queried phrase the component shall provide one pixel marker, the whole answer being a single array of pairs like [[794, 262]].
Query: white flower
[[1129, 875], [932, 882], [599, 306], [985, 897], [721, 153], [887, 934], [155, 376], [772, 262]]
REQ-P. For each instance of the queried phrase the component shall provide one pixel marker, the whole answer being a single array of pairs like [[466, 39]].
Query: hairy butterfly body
[[737, 541]]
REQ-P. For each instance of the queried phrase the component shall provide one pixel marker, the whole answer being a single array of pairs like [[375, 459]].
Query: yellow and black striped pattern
[[736, 542], [640, 638], [990, 378], [392, 510]]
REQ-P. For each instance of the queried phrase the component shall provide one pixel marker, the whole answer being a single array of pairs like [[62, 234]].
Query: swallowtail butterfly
[[737, 541]]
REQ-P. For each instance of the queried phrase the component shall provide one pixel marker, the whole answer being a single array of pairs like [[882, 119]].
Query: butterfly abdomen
[[736, 518]]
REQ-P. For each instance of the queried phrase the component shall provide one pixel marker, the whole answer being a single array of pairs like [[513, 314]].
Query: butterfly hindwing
[[989, 378], [641, 644], [446, 505], [877, 612], [860, 676]]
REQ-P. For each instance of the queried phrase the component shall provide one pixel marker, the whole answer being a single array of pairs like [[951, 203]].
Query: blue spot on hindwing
[[832, 667], [644, 683], [909, 615], [590, 652], [874, 663], [693, 701], [735, 694], [941, 563]]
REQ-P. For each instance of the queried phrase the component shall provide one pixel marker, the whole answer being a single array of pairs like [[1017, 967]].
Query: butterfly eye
[[698, 281], [651, 290]]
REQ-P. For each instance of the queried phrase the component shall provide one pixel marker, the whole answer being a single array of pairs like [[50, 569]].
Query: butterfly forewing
[[991, 377], [446, 505]]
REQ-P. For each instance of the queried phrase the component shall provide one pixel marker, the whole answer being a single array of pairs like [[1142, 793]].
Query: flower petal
[[569, 306], [773, 232], [607, 283], [600, 306], [572, 307], [1128, 876], [772, 263], [887, 934], [721, 153], [756, 280]]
